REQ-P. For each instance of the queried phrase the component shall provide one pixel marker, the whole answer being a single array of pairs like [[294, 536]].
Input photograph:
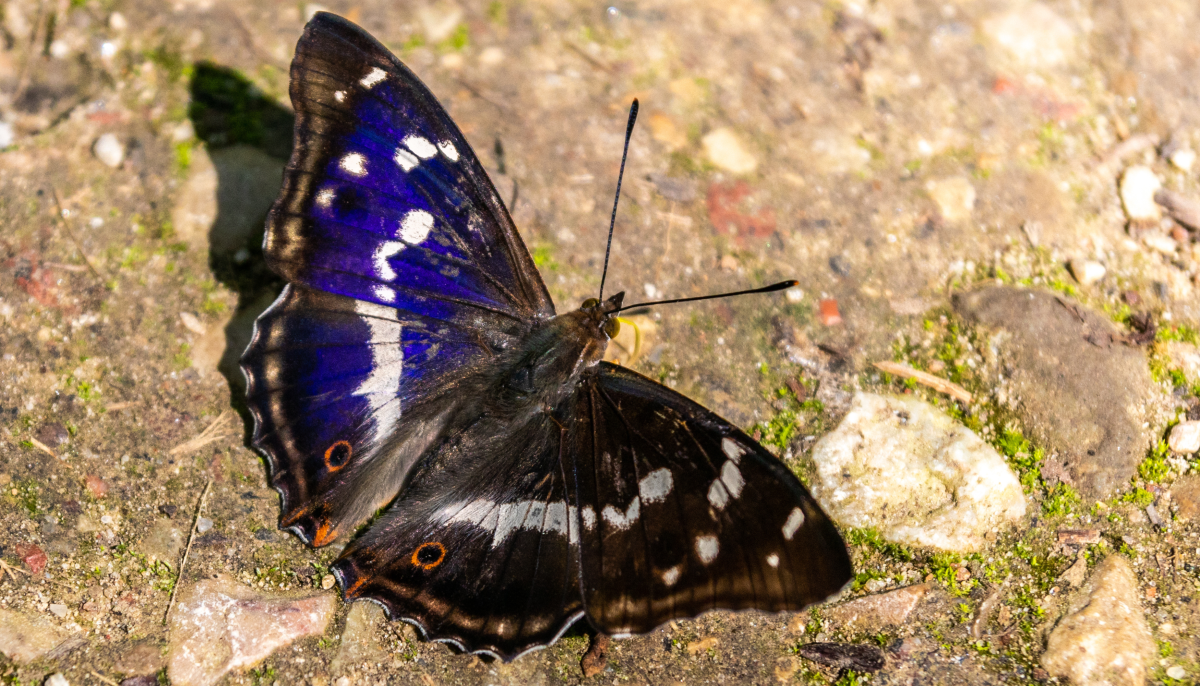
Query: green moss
[[458, 40], [1155, 467], [1138, 496], [871, 538], [944, 567], [1061, 500], [1182, 333], [543, 258]]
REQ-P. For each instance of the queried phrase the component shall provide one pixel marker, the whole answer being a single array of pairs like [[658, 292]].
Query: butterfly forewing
[[480, 553], [682, 513], [384, 200]]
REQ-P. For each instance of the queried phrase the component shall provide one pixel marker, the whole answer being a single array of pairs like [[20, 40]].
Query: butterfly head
[[604, 313]]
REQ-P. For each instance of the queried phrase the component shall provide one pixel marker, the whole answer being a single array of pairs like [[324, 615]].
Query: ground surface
[[887, 155]]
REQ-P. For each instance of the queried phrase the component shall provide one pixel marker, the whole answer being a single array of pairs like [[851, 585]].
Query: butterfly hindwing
[[328, 380], [682, 513], [480, 553], [383, 199]]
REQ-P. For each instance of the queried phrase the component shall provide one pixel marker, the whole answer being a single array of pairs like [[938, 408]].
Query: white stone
[[220, 625], [59, 610], [56, 679], [1160, 243], [920, 478], [108, 149], [1185, 437], [725, 149], [1183, 159], [1138, 186], [192, 323], [184, 131], [204, 524], [1176, 672], [439, 20], [7, 135], [491, 56], [117, 21], [1104, 638], [1087, 272], [1033, 35], [954, 196]]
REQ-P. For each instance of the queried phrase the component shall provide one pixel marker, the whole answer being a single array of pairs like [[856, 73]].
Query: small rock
[[874, 612], [192, 323], [108, 149], [359, 642], [1033, 35], [145, 657], [954, 197], [827, 312], [1087, 272], [491, 56], [1138, 185], [328, 581], [203, 524], [902, 466], [33, 557], [1185, 438], [725, 149], [24, 639], [1176, 672], [168, 509], [53, 434], [595, 660], [163, 542], [219, 625], [1104, 637], [1160, 243], [1185, 494], [56, 679], [439, 20], [1183, 159], [144, 680], [6, 135], [862, 658], [117, 21], [1076, 573], [96, 485], [59, 610]]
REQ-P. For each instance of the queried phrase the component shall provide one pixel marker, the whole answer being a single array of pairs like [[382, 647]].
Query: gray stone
[[874, 612], [359, 639], [902, 466], [163, 542], [1079, 391], [24, 639], [142, 658], [1104, 638], [219, 625]]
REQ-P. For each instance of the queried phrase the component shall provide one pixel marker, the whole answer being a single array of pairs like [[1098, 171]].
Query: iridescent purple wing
[[384, 200]]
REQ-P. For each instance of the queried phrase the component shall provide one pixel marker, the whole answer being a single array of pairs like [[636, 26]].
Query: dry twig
[[187, 551], [42, 447], [214, 432], [937, 383]]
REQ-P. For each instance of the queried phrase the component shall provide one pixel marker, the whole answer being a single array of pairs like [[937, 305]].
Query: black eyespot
[[429, 555], [338, 454]]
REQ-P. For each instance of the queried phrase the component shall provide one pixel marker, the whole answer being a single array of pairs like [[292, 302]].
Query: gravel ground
[[888, 155]]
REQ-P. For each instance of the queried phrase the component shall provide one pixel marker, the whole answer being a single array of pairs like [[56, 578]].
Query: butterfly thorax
[[551, 358]]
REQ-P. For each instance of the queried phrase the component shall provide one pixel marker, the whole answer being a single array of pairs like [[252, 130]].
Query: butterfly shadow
[[248, 137]]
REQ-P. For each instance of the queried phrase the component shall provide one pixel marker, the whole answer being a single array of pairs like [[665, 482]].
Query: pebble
[[1160, 243], [491, 56], [95, 485], [872, 613], [108, 149], [219, 625], [203, 524], [1104, 637], [1034, 35], [7, 135], [725, 149], [1185, 437], [58, 610], [56, 679], [24, 639], [192, 323], [954, 197], [1087, 272], [53, 434], [328, 581], [117, 21], [163, 542], [1176, 672], [904, 467], [1138, 185], [1183, 159], [33, 556], [827, 312]]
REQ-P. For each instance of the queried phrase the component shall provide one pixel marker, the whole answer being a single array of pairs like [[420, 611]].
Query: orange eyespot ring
[[429, 555], [337, 455]]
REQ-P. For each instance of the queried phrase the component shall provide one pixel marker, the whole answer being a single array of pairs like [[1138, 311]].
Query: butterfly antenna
[[633, 110], [765, 289]]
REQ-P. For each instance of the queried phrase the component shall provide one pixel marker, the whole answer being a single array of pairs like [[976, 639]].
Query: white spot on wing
[[794, 521], [324, 197], [732, 449], [505, 518], [707, 548], [382, 385], [384, 251], [406, 159], [732, 478], [623, 520], [421, 147], [415, 226], [773, 560], [373, 77], [656, 485], [449, 150], [354, 163], [340, 96], [718, 497], [589, 516], [670, 576]]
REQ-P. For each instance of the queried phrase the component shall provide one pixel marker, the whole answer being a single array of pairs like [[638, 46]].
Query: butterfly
[[414, 377]]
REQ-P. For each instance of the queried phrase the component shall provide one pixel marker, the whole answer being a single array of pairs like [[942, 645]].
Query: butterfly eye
[[590, 302], [429, 555], [612, 326]]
